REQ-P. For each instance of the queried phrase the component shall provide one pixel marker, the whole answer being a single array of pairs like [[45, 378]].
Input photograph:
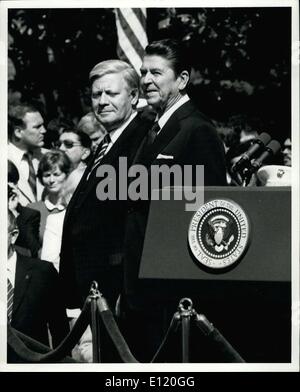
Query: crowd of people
[[61, 236]]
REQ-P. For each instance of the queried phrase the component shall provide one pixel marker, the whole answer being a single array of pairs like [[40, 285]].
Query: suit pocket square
[[161, 156]]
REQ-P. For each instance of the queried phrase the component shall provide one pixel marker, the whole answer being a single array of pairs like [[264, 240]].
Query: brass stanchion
[[185, 313], [94, 296]]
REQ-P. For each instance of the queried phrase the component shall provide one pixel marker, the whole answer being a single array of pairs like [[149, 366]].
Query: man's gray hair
[[116, 66]]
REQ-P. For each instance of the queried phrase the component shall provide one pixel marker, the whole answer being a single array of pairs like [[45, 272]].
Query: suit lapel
[[166, 135], [22, 279], [110, 158], [25, 189]]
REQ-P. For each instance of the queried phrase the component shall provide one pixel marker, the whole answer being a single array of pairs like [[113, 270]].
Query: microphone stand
[[241, 177], [245, 168]]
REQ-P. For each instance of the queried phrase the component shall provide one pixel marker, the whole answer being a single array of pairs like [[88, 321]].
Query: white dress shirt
[[165, 117], [116, 133], [53, 234], [16, 155]]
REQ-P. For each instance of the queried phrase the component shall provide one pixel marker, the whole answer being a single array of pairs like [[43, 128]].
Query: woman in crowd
[[53, 171]]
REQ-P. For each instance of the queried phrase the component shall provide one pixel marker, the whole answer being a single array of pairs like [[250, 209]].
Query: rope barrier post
[[186, 310], [94, 295]]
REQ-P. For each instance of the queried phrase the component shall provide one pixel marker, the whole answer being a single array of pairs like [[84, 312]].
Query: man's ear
[[184, 78], [17, 133], [134, 96], [14, 236], [86, 154]]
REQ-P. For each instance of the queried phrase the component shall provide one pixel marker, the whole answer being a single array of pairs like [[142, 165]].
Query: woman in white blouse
[[53, 171]]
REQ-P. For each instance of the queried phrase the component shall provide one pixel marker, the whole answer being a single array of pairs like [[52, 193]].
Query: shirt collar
[[116, 133], [50, 206], [11, 268], [16, 152], [165, 117]]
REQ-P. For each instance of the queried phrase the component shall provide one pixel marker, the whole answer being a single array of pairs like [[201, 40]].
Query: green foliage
[[240, 56]]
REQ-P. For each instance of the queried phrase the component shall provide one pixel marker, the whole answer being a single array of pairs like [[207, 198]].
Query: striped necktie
[[10, 300], [152, 133], [100, 153], [32, 176]]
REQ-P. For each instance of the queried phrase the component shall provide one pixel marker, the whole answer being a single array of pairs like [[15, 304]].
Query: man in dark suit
[[28, 220], [93, 233], [35, 298], [182, 136]]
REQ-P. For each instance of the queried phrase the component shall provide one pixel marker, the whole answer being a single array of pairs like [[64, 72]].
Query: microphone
[[257, 145], [270, 150]]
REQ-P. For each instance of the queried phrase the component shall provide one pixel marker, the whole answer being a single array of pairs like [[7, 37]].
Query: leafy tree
[[240, 57]]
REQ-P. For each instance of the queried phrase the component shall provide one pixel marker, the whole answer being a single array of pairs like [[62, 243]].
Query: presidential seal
[[219, 233]]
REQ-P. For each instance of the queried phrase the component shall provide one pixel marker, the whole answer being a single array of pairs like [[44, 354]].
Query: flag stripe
[[132, 37], [138, 26], [141, 16], [122, 55], [130, 51], [124, 23]]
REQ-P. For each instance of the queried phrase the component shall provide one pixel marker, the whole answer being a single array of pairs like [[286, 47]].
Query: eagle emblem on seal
[[219, 233], [218, 236]]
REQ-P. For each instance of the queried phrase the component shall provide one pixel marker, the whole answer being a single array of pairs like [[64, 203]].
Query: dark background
[[240, 56]]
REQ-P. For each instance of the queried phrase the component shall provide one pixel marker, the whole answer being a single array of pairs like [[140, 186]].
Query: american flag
[[132, 36]]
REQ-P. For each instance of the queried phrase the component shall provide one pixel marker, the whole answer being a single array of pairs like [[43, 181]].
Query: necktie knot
[[107, 139], [100, 153], [153, 133]]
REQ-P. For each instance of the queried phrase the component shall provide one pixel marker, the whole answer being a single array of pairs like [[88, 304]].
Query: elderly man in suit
[[26, 138], [93, 233], [182, 135], [35, 298]]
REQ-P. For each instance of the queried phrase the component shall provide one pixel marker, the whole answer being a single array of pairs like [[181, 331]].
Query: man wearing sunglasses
[[77, 146], [92, 244]]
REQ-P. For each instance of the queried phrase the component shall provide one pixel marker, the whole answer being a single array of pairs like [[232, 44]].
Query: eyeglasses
[[67, 143]]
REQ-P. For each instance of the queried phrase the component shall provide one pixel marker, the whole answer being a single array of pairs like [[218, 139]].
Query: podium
[[250, 301]]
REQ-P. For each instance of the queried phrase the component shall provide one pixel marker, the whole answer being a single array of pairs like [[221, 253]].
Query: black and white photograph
[[149, 187]]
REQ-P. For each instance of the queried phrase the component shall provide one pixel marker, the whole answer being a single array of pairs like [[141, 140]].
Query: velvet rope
[[218, 340], [173, 325], [114, 332], [14, 340], [36, 346]]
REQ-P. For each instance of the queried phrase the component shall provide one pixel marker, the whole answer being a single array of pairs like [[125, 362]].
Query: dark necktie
[[152, 133], [100, 153], [10, 300], [32, 176]]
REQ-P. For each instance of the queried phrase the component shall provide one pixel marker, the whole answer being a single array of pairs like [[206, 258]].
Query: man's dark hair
[[172, 50], [83, 138]]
